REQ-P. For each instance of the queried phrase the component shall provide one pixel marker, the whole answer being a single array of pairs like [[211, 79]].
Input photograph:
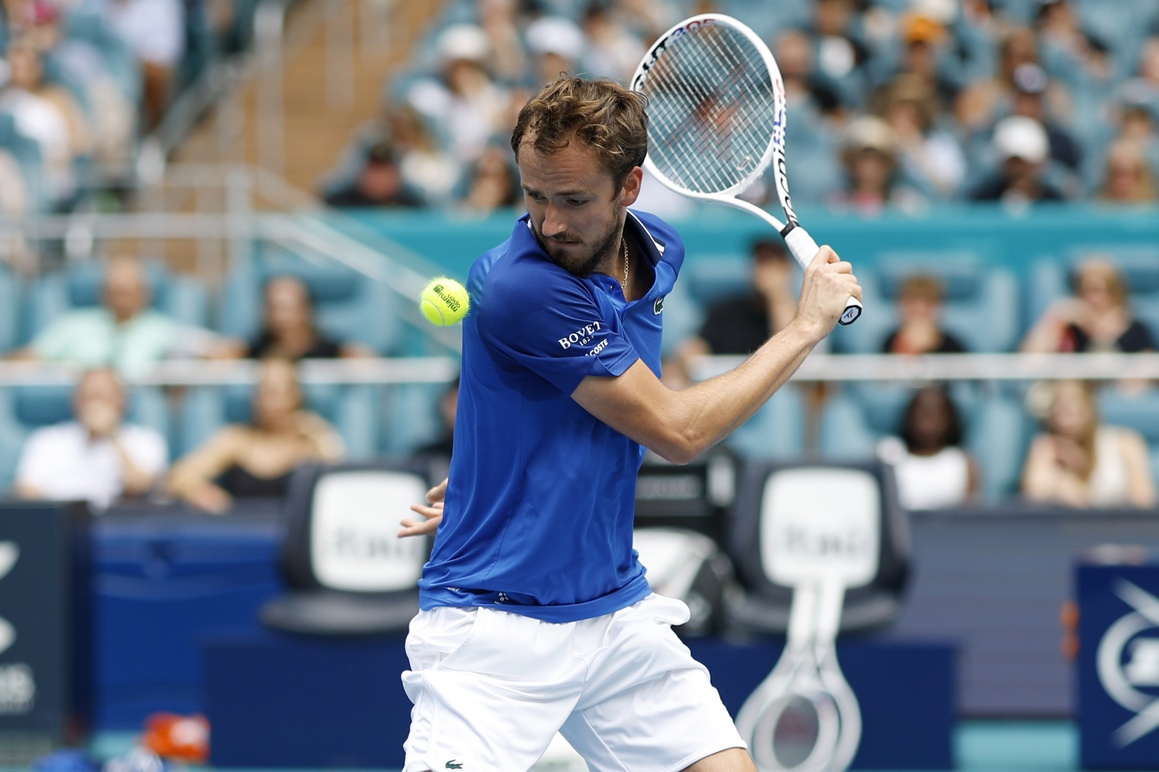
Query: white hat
[[555, 35], [1018, 136], [463, 41]]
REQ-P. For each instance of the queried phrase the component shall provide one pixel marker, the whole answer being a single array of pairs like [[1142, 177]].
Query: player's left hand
[[432, 513]]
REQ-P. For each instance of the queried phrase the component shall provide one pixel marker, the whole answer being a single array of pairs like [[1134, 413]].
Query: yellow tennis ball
[[444, 301]]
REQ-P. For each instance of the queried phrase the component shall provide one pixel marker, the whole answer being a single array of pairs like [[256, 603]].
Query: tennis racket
[[716, 121], [804, 717]]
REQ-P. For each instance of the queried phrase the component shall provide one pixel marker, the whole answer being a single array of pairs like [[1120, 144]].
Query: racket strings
[[711, 111]]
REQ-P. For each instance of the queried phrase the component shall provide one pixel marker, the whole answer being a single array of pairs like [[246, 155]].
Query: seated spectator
[[1030, 99], [919, 306], [980, 103], [49, 115], [122, 332], [288, 328], [111, 112], [256, 460], [933, 470], [804, 89], [1023, 150], [926, 47], [1127, 176], [741, 323], [463, 100], [96, 457], [1097, 318], [379, 184], [613, 50], [929, 156], [556, 44], [870, 157], [1079, 462], [155, 31], [427, 170], [492, 183]]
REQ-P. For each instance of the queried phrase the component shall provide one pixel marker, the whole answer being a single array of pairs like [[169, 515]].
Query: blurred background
[[194, 192]]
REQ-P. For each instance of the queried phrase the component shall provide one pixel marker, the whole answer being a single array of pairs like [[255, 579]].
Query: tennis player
[[536, 614]]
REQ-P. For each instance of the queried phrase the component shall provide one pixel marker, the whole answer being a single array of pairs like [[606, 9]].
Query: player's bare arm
[[680, 425]]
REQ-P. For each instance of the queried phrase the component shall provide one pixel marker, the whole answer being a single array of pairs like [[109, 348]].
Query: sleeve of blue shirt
[[539, 317]]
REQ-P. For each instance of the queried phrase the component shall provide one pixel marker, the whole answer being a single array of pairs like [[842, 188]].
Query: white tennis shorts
[[491, 689]]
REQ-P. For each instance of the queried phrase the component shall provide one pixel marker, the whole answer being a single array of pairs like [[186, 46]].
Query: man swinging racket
[[536, 613]]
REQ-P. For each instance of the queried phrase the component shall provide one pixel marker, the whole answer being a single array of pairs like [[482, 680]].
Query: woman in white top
[[1079, 462], [933, 471]]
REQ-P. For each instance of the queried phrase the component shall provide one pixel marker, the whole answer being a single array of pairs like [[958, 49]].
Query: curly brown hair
[[599, 112]]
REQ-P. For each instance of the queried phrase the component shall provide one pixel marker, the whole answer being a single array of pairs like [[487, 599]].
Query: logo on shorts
[[452, 764]]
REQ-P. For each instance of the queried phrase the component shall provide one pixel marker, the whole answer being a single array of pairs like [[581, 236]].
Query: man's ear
[[630, 190]]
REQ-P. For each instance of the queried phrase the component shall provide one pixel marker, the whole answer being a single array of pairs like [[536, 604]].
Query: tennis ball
[[444, 301]]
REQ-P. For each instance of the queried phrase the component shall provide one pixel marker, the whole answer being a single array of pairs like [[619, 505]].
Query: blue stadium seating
[[980, 302], [11, 304], [777, 432]]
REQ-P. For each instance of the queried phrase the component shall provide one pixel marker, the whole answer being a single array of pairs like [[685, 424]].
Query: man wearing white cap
[[1023, 150]]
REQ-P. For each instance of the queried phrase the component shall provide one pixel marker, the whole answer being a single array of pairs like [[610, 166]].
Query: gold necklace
[[624, 283]]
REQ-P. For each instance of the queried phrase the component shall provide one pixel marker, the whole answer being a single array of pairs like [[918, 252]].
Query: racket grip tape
[[803, 247]]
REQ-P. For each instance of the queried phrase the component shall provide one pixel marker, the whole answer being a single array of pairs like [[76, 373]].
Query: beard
[[583, 264]]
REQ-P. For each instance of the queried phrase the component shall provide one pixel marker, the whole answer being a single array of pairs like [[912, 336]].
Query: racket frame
[[800, 243]]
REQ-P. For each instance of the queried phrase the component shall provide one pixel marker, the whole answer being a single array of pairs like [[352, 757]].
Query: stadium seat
[[712, 277], [28, 155], [348, 573], [683, 315], [11, 306], [410, 417], [769, 496], [348, 305], [979, 304], [776, 432]]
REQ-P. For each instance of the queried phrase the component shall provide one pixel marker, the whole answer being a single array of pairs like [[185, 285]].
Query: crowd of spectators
[[83, 81], [892, 103]]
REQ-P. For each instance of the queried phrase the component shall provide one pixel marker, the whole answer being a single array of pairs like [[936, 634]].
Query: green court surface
[[993, 746]]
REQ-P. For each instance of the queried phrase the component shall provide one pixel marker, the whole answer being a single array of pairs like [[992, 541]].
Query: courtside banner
[[1118, 666], [45, 626]]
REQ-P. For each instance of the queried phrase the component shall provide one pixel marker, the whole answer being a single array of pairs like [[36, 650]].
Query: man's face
[[287, 305], [125, 291], [577, 212]]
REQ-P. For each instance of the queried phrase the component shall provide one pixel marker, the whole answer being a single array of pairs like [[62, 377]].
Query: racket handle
[[803, 247]]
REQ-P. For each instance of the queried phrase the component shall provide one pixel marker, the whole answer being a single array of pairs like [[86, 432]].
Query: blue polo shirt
[[539, 510]]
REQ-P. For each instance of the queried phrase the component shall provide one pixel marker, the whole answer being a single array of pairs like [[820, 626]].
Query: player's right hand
[[829, 283]]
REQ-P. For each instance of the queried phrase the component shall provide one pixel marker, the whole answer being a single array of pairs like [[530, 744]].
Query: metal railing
[[228, 227], [956, 367], [835, 368]]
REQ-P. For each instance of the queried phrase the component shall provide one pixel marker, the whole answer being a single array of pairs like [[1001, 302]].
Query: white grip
[[803, 247]]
